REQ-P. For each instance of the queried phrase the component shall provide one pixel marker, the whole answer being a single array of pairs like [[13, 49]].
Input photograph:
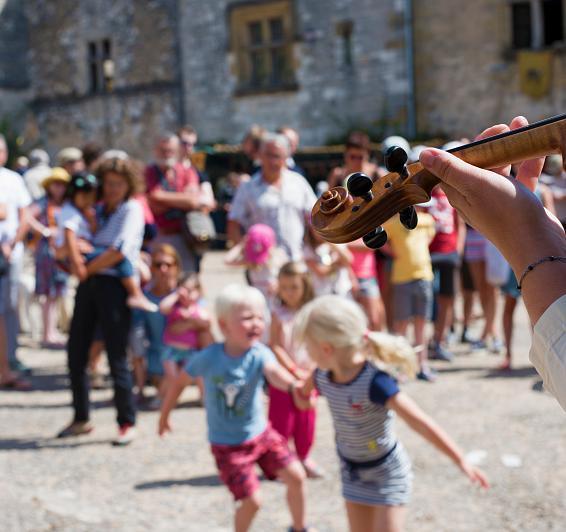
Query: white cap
[[395, 140], [452, 144]]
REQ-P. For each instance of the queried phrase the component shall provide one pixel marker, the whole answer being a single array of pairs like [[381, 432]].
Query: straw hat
[[57, 174]]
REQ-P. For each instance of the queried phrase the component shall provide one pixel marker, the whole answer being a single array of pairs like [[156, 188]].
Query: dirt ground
[[505, 421]]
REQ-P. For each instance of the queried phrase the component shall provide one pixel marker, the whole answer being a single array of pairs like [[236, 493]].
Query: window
[[537, 24], [262, 41], [344, 30], [100, 66]]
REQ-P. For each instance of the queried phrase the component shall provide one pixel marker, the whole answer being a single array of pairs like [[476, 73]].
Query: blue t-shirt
[[233, 391]]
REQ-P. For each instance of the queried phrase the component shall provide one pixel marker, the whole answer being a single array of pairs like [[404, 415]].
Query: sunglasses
[[86, 182], [159, 264]]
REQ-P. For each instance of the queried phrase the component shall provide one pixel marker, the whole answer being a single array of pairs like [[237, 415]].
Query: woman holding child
[[101, 298]]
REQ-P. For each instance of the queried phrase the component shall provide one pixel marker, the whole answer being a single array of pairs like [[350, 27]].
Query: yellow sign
[[535, 73]]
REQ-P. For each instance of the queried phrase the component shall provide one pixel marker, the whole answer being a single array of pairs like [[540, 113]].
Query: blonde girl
[[353, 373], [294, 291]]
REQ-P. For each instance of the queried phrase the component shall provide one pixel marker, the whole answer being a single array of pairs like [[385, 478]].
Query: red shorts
[[236, 462]]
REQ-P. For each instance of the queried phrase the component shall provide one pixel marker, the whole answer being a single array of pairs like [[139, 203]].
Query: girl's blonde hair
[[299, 269], [343, 324]]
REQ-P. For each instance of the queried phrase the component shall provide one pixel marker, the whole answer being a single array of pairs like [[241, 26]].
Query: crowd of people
[[317, 318]]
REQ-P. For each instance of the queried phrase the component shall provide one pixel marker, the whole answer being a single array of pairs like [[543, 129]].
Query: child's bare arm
[[422, 423], [278, 377], [170, 401], [234, 257], [74, 255], [168, 302], [3, 211], [303, 395]]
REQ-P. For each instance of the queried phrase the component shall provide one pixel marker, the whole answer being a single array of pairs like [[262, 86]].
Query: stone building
[[105, 69], [14, 78], [490, 61], [119, 71], [321, 66]]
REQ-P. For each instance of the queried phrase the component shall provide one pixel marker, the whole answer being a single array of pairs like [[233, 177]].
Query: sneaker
[[141, 303], [437, 352], [496, 346], [465, 338], [478, 344], [153, 404], [126, 435], [427, 375], [312, 469], [76, 428]]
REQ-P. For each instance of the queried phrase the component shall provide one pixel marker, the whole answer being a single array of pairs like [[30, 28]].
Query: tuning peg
[[396, 160], [376, 238], [359, 185], [408, 217]]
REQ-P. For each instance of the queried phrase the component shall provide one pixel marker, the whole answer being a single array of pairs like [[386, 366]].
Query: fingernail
[[427, 158]]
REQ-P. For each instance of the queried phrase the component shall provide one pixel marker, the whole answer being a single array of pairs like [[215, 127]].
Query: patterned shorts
[[236, 463]]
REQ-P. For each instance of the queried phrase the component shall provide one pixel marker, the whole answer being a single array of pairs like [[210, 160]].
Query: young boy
[[238, 431]]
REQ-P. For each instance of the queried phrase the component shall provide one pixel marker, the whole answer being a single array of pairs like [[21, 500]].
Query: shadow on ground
[[209, 480], [27, 444]]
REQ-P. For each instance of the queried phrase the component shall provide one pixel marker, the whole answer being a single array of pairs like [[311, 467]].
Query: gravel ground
[[506, 421]]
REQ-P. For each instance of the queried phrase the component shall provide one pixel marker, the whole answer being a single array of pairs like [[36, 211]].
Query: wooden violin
[[346, 214]]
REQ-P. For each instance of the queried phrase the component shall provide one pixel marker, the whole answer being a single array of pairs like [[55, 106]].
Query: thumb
[[449, 168]]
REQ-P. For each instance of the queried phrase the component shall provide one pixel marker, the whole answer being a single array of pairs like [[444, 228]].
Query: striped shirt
[[362, 423], [121, 230]]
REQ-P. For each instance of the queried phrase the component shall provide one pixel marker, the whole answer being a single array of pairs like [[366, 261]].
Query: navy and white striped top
[[121, 230], [362, 423]]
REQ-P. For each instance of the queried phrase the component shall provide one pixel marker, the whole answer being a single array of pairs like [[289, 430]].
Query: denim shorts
[[175, 354], [368, 287], [412, 300]]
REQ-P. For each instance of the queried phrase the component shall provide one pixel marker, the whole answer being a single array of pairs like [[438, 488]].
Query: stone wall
[[145, 96], [14, 75], [331, 97], [467, 77]]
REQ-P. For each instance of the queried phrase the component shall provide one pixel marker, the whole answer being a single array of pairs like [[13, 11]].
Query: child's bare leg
[[170, 372], [421, 342], [139, 373], [365, 518], [294, 477], [136, 298], [245, 512]]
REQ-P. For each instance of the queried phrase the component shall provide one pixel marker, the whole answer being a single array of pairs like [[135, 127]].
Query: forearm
[[279, 377], [234, 231], [180, 326], [168, 302], [105, 260], [284, 358], [184, 201], [23, 228]]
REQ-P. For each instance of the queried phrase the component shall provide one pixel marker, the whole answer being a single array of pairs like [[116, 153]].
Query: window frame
[[240, 16], [98, 51], [535, 33]]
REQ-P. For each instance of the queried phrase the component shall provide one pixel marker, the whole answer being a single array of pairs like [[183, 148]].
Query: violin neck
[[536, 140]]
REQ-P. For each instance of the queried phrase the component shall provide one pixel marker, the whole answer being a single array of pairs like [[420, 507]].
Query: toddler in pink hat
[[258, 251]]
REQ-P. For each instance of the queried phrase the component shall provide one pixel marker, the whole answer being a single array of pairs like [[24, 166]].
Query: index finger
[[529, 171]]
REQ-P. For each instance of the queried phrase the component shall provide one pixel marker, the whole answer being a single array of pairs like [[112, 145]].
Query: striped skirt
[[388, 484]]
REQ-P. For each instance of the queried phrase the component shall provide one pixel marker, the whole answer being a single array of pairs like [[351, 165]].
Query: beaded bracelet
[[532, 266]]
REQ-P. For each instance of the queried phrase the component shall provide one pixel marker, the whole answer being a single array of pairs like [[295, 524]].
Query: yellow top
[[411, 261]]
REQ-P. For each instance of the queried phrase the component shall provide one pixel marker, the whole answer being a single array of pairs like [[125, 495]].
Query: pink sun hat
[[260, 239]]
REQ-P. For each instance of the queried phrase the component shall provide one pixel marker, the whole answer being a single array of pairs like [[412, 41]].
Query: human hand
[[302, 400], [163, 426], [476, 475], [84, 245], [504, 210]]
